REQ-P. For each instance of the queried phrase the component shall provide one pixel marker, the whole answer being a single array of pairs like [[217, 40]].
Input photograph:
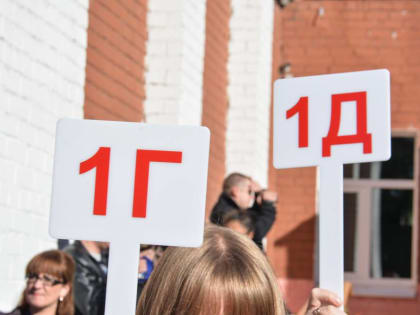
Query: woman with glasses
[[48, 291]]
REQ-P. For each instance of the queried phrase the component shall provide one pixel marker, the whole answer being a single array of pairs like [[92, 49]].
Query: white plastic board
[[349, 91], [129, 183], [327, 121]]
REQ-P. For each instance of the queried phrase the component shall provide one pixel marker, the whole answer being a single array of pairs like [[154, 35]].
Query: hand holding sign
[[327, 121], [129, 183]]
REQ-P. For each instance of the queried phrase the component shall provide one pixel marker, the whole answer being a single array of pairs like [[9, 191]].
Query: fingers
[[142, 266], [321, 297], [327, 310], [259, 199], [269, 195], [255, 186], [324, 302]]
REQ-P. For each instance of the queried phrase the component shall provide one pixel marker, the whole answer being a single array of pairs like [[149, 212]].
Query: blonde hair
[[58, 264], [228, 274]]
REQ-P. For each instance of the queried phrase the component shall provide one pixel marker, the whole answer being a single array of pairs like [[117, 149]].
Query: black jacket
[[89, 285], [17, 311], [263, 215]]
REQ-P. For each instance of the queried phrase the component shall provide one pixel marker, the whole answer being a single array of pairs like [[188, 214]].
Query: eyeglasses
[[46, 281]]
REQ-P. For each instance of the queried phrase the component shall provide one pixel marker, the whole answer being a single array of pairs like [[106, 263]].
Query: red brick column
[[117, 36], [215, 100]]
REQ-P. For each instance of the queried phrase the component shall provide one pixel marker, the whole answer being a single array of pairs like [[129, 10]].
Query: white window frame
[[362, 283]]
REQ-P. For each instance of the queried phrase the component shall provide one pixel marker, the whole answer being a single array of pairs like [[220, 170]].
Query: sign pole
[[331, 244], [121, 289], [115, 194]]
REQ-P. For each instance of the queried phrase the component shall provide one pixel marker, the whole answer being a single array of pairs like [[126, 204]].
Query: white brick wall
[[42, 73], [249, 70], [174, 61]]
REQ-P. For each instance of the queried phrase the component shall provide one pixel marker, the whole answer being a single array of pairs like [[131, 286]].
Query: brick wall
[[384, 306], [174, 61], [290, 243], [215, 101], [42, 66], [115, 60], [336, 36], [249, 90]]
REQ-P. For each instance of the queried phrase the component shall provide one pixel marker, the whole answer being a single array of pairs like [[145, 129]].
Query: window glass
[[348, 170], [365, 169], [350, 219], [399, 166], [392, 224]]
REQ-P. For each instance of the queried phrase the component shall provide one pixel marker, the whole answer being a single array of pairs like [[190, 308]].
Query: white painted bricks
[[249, 91], [175, 61], [42, 73]]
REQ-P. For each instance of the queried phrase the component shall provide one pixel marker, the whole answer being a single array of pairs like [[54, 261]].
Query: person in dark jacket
[[91, 260], [242, 193]]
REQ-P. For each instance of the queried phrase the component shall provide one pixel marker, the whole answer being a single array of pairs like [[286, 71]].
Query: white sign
[[342, 118], [326, 121], [129, 183]]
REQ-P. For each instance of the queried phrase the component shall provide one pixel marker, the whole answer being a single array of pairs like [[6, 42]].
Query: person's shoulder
[[224, 202], [14, 312], [223, 205], [71, 247], [77, 251]]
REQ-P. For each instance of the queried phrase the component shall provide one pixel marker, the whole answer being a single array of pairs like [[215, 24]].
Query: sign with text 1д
[[127, 184], [327, 121]]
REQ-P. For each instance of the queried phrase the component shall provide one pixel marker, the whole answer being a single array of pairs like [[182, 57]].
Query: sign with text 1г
[[127, 184], [327, 121]]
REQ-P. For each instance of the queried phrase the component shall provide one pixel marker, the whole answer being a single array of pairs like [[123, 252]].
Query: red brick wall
[[215, 101], [384, 306], [114, 88], [349, 36], [291, 240]]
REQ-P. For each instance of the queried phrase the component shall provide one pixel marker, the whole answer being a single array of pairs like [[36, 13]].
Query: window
[[380, 223]]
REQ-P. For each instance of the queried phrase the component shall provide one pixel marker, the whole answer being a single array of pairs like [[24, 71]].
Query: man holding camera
[[242, 193]]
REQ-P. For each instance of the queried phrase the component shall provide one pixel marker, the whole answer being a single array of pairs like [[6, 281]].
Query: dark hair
[[233, 180], [242, 217], [58, 264]]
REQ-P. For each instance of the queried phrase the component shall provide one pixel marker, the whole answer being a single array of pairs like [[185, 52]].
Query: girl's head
[[49, 281], [239, 221], [227, 275]]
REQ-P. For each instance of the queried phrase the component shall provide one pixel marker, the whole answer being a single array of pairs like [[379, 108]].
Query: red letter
[[100, 161], [361, 136], [301, 108], [141, 181]]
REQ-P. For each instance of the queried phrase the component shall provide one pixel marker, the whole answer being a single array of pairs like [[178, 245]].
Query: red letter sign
[[100, 161], [141, 182], [360, 137], [301, 108]]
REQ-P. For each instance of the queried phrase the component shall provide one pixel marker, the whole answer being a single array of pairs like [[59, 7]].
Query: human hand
[[324, 302], [149, 253], [268, 195], [255, 186], [142, 266]]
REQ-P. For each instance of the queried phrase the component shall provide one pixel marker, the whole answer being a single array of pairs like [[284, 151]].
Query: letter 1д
[[361, 136]]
